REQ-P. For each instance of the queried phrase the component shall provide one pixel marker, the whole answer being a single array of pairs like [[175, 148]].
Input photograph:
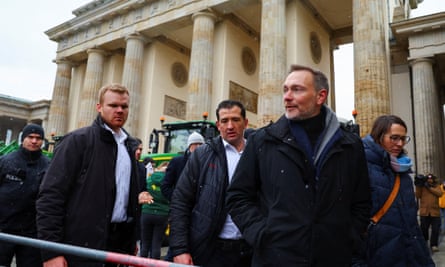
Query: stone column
[[370, 28], [201, 66], [132, 78], [58, 111], [91, 86], [272, 70], [427, 118]]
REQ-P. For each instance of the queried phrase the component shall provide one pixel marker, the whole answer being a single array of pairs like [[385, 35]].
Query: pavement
[[439, 257]]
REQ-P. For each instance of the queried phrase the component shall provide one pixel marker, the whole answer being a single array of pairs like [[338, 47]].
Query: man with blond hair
[[89, 195]]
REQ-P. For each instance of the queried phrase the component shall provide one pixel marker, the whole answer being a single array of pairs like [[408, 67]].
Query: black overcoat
[[77, 194], [290, 216]]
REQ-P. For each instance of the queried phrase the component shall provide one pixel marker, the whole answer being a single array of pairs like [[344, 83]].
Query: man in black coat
[[300, 194], [201, 232], [89, 195], [21, 173]]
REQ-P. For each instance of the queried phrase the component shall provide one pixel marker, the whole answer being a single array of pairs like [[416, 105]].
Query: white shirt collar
[[118, 136]]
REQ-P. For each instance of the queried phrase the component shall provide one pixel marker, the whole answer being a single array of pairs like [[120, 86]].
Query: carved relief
[[179, 74], [138, 14], [245, 96], [171, 3], [154, 8], [65, 43], [124, 19], [174, 107], [97, 29], [75, 38], [248, 60]]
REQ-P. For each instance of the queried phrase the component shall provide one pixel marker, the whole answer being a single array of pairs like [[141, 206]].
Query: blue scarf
[[401, 163]]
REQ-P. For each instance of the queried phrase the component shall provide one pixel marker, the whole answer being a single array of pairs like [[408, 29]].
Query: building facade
[[180, 58], [15, 113]]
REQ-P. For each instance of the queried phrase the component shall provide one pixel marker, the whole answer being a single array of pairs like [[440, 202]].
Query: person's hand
[[56, 262], [136, 249], [145, 198], [184, 258]]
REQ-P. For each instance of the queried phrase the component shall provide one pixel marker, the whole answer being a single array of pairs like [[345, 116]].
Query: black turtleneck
[[313, 127]]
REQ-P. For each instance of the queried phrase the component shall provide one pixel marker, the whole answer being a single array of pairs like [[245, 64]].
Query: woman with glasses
[[395, 239]]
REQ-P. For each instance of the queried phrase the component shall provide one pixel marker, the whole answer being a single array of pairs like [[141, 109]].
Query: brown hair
[[114, 87], [382, 125], [320, 80]]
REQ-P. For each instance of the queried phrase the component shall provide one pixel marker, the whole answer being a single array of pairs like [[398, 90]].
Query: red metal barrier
[[94, 254]]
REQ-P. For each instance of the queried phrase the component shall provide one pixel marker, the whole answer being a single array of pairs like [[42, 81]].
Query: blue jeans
[[152, 233]]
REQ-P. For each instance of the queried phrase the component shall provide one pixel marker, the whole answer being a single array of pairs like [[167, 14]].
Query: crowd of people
[[301, 191]]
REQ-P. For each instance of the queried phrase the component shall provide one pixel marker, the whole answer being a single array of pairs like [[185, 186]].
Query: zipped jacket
[[396, 240], [197, 209], [77, 194], [21, 173]]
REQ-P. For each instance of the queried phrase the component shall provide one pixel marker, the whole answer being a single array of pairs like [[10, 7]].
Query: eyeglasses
[[396, 138]]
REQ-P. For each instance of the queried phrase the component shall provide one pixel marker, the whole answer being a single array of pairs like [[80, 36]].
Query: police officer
[[20, 174]]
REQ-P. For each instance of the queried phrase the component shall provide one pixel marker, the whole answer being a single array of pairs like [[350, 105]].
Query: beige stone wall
[[114, 69], [157, 82], [299, 25], [227, 66]]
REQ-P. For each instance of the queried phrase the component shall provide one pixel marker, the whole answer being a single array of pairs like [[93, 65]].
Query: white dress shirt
[[230, 230], [123, 174]]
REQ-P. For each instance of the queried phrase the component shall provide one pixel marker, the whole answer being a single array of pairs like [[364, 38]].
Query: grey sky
[[26, 67], [27, 70]]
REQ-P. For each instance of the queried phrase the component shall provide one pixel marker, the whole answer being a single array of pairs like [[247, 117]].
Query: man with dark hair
[[300, 194], [201, 231], [21, 173], [89, 195]]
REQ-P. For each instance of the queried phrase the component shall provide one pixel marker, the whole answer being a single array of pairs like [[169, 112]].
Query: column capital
[[211, 15], [413, 61], [63, 61], [137, 36]]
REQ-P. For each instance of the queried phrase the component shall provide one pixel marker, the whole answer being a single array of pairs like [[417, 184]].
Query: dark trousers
[[24, 256], [120, 239], [152, 234], [434, 222], [231, 253]]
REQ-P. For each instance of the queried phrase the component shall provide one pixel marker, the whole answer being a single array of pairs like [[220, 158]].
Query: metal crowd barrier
[[93, 254]]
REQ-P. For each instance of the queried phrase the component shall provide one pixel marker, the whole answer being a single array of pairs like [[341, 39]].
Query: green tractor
[[5, 149], [171, 140]]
